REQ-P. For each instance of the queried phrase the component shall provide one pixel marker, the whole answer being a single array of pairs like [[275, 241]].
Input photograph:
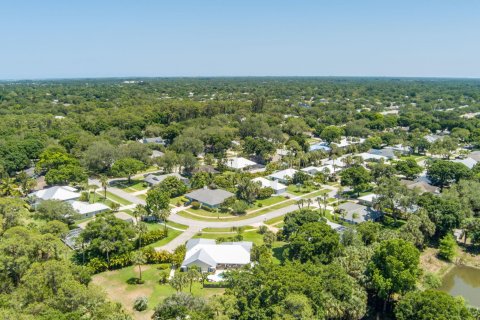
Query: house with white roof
[[209, 256], [469, 162], [368, 199], [278, 187], [283, 176], [60, 193], [87, 210], [239, 163], [372, 157]]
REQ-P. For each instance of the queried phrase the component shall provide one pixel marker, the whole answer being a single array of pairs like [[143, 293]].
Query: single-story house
[[399, 148], [60, 193], [153, 179], [421, 185], [209, 256], [275, 185], [431, 138], [283, 176], [154, 140], [475, 155], [322, 146], [344, 142], [368, 199], [385, 152], [357, 213], [211, 198], [337, 163], [157, 154], [372, 157], [240, 163], [325, 169], [125, 217], [335, 226], [205, 168], [469, 162], [87, 210]]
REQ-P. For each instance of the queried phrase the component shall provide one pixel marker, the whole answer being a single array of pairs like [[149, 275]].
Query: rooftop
[[210, 253], [211, 197], [239, 163], [62, 193]]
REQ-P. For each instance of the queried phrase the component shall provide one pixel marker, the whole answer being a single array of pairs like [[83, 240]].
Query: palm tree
[[104, 182], [163, 215], [139, 212], [309, 202], [141, 229], [107, 247], [138, 258], [7, 187]]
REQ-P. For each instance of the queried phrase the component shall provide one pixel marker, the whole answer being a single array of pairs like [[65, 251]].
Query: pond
[[463, 281]]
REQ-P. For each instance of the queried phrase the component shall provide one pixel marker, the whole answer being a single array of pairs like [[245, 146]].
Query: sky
[[117, 38]]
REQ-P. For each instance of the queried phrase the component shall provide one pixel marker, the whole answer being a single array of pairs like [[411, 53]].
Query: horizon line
[[236, 76]]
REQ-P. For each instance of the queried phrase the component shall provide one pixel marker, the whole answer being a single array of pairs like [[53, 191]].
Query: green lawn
[[176, 225], [274, 220], [116, 198], [252, 236], [115, 284], [133, 186], [267, 202], [299, 191], [176, 200], [172, 234]]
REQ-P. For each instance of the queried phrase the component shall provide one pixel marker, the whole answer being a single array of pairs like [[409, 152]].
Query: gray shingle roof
[[210, 197], [363, 213]]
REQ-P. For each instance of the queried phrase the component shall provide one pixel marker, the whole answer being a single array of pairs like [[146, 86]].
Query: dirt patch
[[430, 262]]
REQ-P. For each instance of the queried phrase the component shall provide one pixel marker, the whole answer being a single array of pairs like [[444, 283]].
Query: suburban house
[[431, 138], [211, 198], [278, 187], [283, 176], [60, 193], [157, 154], [475, 155], [356, 213], [421, 186], [366, 156], [368, 199], [322, 146], [337, 163], [210, 257], [344, 142], [205, 168], [469, 162], [153, 179], [385, 152], [87, 210], [335, 226], [154, 140], [399, 148], [326, 169], [240, 163]]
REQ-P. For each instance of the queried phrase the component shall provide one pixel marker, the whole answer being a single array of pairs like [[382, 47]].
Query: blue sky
[[106, 38]]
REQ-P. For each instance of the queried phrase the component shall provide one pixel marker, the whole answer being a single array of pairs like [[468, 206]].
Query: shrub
[[262, 229], [265, 193], [195, 205], [140, 304], [83, 196], [153, 236], [448, 247]]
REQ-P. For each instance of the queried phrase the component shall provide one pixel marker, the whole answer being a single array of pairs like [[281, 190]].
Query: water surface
[[463, 281]]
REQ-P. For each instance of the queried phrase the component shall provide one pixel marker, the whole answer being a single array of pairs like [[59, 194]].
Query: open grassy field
[[117, 288]]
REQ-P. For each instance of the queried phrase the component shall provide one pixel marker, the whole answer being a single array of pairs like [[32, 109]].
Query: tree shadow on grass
[[135, 280]]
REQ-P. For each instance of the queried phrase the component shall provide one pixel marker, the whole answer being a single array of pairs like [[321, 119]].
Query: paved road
[[195, 226]]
